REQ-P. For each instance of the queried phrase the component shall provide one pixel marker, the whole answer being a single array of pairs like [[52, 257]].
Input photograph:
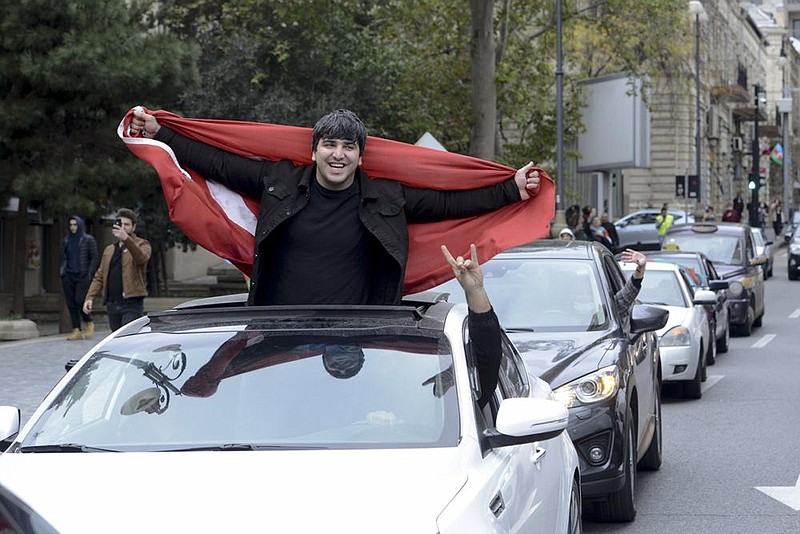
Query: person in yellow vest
[[663, 221]]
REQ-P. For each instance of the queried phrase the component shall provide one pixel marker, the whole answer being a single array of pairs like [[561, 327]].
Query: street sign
[[689, 182]]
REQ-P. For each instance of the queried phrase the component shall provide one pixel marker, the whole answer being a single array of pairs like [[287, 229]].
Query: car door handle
[[497, 506], [538, 454]]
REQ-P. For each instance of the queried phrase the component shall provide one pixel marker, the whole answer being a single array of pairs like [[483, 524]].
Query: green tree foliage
[[68, 72]]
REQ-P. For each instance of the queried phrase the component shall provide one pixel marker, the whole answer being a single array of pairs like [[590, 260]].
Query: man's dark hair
[[128, 214], [340, 124]]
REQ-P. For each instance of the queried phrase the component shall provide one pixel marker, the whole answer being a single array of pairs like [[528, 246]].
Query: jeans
[[122, 313], [75, 289]]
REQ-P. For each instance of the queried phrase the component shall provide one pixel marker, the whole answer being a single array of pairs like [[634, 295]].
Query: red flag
[[223, 221]]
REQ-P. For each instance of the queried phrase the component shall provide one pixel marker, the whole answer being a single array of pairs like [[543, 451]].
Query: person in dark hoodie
[[78, 264]]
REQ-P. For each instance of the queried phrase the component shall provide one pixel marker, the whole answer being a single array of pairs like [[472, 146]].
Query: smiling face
[[337, 161]]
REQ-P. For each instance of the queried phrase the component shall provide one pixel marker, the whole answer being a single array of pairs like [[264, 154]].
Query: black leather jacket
[[386, 206]]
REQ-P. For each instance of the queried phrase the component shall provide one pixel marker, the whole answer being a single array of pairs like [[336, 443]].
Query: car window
[[162, 392], [719, 248], [541, 294], [662, 288], [750, 244], [712, 271], [692, 266], [643, 218]]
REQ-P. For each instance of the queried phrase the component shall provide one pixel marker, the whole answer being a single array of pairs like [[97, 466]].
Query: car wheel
[[575, 525], [759, 321], [651, 461], [747, 328], [792, 274], [711, 355], [621, 505], [692, 389], [722, 343]]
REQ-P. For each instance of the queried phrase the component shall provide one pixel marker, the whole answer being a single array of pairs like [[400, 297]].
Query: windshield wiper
[[520, 329], [249, 447], [63, 447]]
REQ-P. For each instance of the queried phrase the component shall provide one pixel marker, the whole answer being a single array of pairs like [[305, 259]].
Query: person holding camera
[[120, 279]]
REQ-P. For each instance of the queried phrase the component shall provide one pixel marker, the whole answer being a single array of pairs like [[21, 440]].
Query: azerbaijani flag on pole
[[776, 155], [223, 221]]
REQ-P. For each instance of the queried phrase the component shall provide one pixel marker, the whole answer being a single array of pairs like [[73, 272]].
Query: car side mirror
[[705, 297], [525, 420], [647, 318], [9, 425], [718, 285]]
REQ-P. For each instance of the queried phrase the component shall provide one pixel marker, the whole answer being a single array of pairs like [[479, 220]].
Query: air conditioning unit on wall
[[737, 144]]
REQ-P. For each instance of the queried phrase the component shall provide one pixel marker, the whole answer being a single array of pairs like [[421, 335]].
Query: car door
[[721, 308], [755, 273], [523, 482], [641, 229], [639, 350]]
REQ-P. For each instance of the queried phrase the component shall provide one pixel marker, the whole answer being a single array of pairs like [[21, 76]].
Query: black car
[[794, 256], [703, 275], [732, 250], [556, 301]]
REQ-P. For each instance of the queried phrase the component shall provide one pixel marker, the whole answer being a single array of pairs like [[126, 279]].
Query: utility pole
[[756, 177]]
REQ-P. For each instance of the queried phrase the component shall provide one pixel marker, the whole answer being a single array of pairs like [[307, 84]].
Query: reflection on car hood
[[560, 357], [401, 490]]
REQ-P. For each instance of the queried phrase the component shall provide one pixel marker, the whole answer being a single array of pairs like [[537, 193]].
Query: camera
[[118, 222]]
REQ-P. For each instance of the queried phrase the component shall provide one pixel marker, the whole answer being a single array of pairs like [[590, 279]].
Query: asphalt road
[[744, 434]]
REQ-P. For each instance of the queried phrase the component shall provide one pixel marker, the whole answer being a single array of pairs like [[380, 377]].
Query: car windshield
[[255, 389], [662, 288], [692, 266], [541, 294], [719, 248]]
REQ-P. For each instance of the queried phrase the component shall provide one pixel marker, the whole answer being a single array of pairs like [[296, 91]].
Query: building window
[[796, 28]]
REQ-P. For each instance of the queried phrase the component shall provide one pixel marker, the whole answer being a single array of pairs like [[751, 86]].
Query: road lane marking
[[795, 314], [711, 381], [761, 343], [788, 495]]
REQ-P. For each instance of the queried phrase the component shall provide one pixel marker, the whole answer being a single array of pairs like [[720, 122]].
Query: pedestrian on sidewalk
[[78, 265], [120, 279]]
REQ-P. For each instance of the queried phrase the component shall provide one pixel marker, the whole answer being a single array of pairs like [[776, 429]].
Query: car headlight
[[735, 289], [589, 389], [676, 337], [794, 248]]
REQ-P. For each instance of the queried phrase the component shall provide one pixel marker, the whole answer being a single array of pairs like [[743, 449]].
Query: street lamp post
[[756, 176], [785, 107], [696, 8]]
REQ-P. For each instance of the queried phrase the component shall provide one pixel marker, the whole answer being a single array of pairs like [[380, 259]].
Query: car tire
[[759, 321], [792, 274], [746, 329], [575, 525], [621, 505], [722, 343], [711, 354], [651, 461], [693, 389]]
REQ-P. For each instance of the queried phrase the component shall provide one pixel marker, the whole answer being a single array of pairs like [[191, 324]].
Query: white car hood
[[400, 490]]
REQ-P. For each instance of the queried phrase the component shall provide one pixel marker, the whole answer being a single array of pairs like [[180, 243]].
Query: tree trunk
[[20, 248], [484, 93]]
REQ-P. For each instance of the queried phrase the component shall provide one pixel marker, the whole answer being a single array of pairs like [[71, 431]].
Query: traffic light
[[751, 185]]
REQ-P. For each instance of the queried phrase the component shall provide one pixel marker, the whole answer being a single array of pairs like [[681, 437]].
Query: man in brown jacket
[[120, 279]]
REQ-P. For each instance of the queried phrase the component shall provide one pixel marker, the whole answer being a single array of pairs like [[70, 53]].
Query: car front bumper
[[738, 309], [679, 363], [601, 425]]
